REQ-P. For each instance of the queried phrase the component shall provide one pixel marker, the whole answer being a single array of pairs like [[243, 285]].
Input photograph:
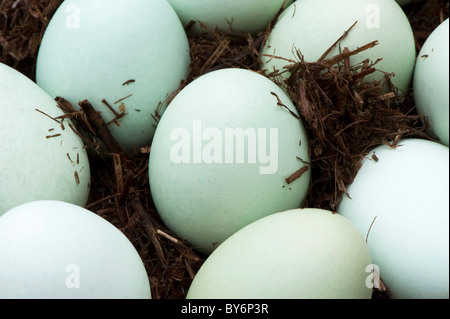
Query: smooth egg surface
[[222, 154], [296, 254], [125, 57], [56, 250], [431, 82], [399, 201], [250, 16], [41, 157]]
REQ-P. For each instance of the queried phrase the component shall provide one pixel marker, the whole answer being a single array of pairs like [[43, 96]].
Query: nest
[[345, 118]]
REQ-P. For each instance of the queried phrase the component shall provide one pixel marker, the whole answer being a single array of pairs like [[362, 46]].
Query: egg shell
[[401, 204], [297, 254], [250, 16], [205, 200], [132, 54], [314, 26], [56, 250], [39, 159], [431, 81]]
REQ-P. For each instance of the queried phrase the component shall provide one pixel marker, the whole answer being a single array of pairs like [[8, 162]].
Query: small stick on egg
[[297, 175]]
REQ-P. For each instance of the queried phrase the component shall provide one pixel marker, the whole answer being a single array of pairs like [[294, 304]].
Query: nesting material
[[345, 116], [22, 25]]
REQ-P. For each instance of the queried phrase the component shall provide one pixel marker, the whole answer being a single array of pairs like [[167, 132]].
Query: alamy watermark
[[73, 277], [227, 146], [73, 16], [373, 280], [373, 16]]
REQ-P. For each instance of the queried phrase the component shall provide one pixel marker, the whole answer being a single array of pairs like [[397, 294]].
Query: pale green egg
[[399, 201], [222, 154], [312, 27], [130, 55], [41, 157], [431, 82], [57, 250], [296, 254], [250, 16]]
